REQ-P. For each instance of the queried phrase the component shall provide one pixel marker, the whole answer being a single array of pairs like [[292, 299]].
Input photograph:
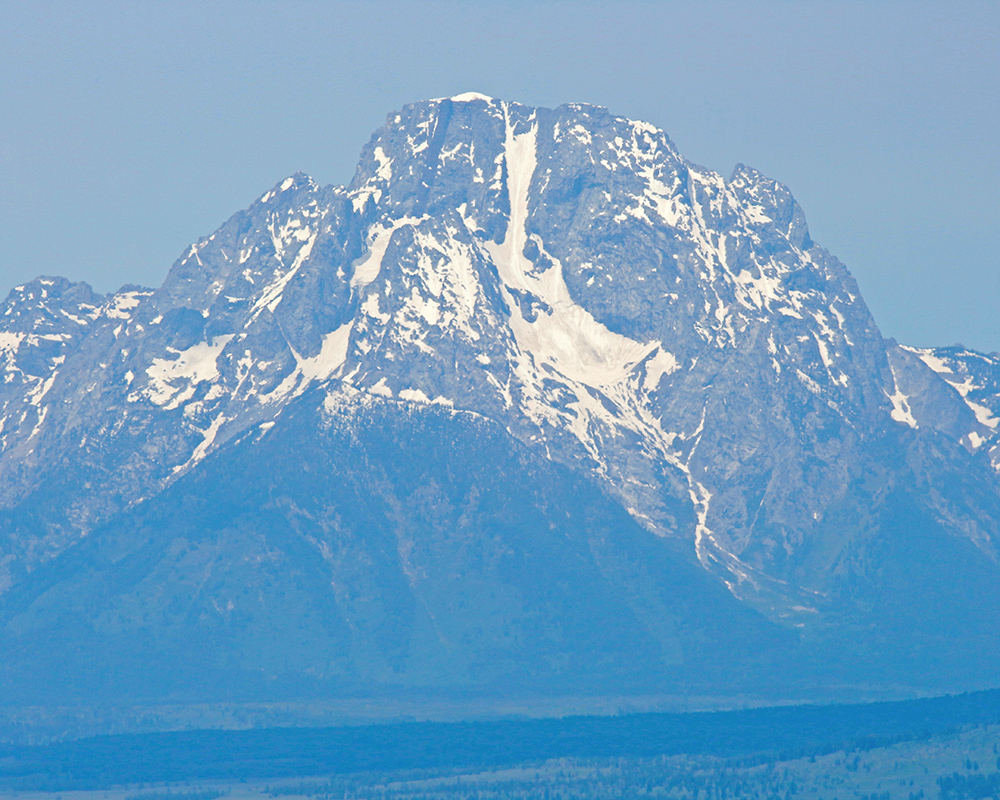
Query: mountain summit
[[534, 404]]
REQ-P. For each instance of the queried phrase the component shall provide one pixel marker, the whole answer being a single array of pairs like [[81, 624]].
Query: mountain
[[533, 405]]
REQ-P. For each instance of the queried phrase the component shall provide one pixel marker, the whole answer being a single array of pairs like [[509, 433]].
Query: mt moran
[[534, 407]]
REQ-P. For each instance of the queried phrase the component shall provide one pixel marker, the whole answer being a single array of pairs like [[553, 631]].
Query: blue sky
[[129, 130]]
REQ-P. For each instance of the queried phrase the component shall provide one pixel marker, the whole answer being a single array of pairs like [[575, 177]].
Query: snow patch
[[208, 439], [270, 298], [384, 170], [331, 356], [900, 404], [367, 268], [370, 308], [563, 334], [755, 214], [662, 363], [414, 396], [975, 440], [10, 342], [983, 415], [173, 381], [121, 305], [939, 365], [468, 97]]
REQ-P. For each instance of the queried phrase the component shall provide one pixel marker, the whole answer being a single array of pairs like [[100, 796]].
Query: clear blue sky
[[128, 130]]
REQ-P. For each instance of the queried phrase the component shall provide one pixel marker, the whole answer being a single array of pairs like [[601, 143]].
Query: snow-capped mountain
[[663, 366]]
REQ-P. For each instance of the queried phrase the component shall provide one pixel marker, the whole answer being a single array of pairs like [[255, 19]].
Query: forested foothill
[[765, 752]]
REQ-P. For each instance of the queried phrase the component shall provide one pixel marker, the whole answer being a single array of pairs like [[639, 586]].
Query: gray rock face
[[975, 377], [671, 338]]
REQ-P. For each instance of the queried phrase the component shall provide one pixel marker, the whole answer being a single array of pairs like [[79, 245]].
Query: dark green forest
[[759, 753]]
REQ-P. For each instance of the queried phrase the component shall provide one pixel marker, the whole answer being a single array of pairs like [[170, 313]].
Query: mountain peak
[[555, 291], [470, 97], [291, 184]]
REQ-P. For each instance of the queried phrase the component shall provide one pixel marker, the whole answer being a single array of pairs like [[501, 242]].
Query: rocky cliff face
[[647, 335]]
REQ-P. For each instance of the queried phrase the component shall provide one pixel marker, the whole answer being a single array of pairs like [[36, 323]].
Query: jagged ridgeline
[[534, 406]]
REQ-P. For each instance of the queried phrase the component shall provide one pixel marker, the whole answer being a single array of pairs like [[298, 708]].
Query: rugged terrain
[[534, 405]]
